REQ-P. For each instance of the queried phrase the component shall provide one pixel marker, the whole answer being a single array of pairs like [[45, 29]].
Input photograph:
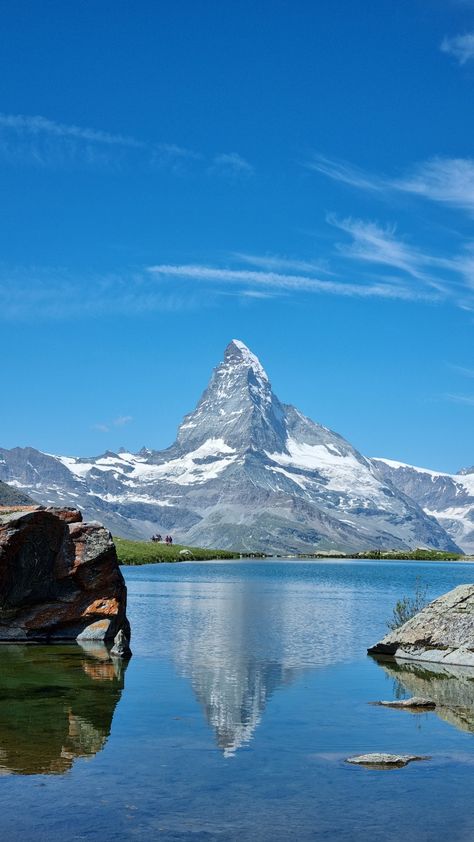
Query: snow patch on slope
[[185, 470], [342, 470], [466, 481]]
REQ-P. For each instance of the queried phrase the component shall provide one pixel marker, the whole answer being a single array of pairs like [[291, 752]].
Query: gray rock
[[443, 632], [380, 760], [121, 647], [414, 703]]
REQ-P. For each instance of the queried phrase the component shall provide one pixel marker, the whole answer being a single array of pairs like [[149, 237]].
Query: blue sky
[[296, 175]]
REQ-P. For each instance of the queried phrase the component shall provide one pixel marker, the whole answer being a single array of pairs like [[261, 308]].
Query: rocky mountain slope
[[13, 496], [447, 497], [245, 472]]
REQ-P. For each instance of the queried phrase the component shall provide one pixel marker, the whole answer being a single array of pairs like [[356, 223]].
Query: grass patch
[[413, 555], [393, 555], [148, 552]]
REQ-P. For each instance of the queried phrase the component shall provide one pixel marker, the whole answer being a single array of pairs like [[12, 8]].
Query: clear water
[[248, 688]]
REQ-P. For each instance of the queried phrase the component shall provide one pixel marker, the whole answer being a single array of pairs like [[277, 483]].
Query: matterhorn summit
[[238, 406], [246, 472]]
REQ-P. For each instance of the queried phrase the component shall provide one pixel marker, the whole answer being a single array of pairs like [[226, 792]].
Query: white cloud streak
[[231, 164], [461, 369], [465, 400], [279, 281], [460, 46], [121, 421], [44, 142], [277, 263], [445, 180], [38, 125]]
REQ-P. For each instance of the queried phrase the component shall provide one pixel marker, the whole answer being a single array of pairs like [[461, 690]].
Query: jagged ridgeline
[[246, 472]]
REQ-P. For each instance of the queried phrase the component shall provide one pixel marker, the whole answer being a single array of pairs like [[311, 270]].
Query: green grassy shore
[[396, 555], [148, 552]]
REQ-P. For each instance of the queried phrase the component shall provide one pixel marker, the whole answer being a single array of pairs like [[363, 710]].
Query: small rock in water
[[121, 647], [379, 760], [415, 703]]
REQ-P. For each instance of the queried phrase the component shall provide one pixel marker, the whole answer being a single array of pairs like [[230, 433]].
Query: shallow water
[[248, 688]]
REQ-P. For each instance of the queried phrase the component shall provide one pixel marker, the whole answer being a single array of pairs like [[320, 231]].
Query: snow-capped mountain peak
[[237, 353], [238, 406], [245, 472]]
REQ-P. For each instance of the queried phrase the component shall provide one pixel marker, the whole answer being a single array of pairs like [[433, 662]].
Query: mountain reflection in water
[[451, 687], [239, 641], [56, 704]]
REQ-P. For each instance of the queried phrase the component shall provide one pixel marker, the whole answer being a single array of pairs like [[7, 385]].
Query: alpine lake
[[248, 688]]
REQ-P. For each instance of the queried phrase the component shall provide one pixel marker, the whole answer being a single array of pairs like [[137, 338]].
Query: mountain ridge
[[245, 472]]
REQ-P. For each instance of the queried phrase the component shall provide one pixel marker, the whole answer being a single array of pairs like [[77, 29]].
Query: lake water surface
[[248, 688]]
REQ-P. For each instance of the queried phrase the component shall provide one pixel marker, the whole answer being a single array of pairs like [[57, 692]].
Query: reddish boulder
[[59, 578]]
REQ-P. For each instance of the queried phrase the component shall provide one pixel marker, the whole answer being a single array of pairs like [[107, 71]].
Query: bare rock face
[[442, 633], [59, 579]]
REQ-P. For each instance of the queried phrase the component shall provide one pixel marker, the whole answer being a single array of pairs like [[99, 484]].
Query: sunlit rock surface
[[59, 578], [443, 632]]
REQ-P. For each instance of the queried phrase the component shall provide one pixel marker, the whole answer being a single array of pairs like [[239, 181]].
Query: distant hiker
[[171, 540]]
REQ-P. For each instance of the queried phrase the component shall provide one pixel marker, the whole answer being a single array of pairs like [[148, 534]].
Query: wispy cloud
[[461, 369], [446, 180], [460, 46], [121, 421], [449, 277], [38, 125], [376, 244], [231, 164], [346, 173], [251, 279], [277, 263], [465, 400], [35, 139], [55, 294]]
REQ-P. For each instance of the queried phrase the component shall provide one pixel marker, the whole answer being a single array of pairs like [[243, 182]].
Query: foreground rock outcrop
[[59, 579], [441, 633]]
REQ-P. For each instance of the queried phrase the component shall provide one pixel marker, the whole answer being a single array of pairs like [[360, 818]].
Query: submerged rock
[[415, 703], [442, 633], [59, 579], [380, 760]]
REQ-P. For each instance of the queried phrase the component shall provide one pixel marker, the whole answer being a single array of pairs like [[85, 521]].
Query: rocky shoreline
[[442, 633]]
